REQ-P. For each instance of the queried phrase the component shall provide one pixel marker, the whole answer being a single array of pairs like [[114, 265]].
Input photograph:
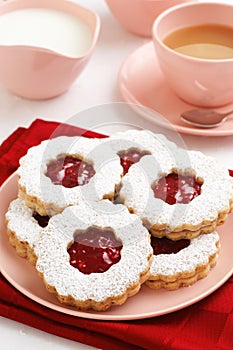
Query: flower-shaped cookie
[[94, 255], [23, 228], [132, 145], [65, 171], [181, 197], [182, 262]]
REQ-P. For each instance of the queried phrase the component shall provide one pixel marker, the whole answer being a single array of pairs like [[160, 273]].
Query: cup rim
[[191, 4]]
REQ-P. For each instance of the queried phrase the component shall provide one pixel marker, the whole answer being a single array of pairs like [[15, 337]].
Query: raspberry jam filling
[[94, 250], [69, 171], [165, 245], [129, 157], [42, 220], [176, 188]]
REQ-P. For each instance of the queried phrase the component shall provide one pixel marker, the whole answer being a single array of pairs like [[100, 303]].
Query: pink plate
[[142, 83], [147, 303]]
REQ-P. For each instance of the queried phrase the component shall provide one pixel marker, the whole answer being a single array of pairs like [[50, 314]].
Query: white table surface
[[97, 85]]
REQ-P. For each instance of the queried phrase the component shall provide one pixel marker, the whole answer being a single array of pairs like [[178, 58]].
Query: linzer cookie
[[23, 228], [179, 197], [94, 256], [182, 262], [132, 145], [65, 171]]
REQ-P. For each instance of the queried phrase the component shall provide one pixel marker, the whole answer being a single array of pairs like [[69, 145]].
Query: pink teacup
[[199, 81], [137, 16], [40, 70]]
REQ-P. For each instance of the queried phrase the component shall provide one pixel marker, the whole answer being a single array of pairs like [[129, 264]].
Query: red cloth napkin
[[205, 325]]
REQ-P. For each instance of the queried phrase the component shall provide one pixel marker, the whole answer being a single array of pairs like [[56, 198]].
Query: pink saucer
[[142, 83]]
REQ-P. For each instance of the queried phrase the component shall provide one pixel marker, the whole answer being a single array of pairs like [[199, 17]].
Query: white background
[[96, 85]]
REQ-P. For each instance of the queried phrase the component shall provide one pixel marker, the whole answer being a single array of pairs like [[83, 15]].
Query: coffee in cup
[[194, 47], [208, 41]]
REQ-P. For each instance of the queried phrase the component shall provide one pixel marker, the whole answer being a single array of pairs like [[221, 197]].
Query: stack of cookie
[[100, 217], [182, 201]]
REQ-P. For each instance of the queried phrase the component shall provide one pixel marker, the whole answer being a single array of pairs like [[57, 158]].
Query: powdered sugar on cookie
[[188, 259], [132, 145], [94, 290], [23, 229], [210, 207], [44, 196]]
